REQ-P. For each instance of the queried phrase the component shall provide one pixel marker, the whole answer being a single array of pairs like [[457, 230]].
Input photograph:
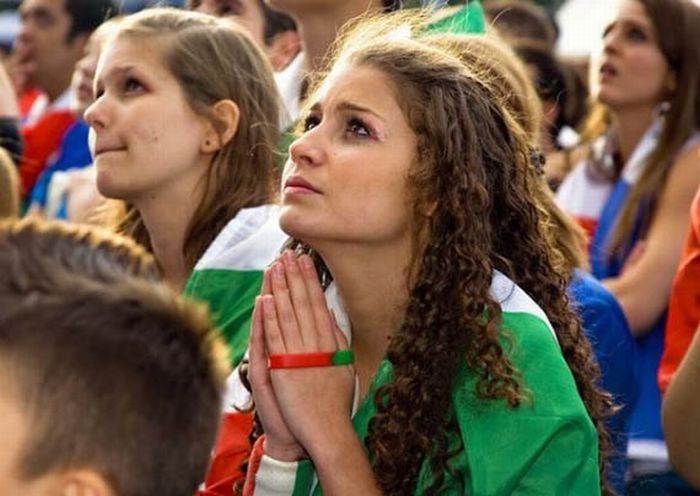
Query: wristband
[[306, 360]]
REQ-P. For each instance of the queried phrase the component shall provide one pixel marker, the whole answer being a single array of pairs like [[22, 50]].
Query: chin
[[108, 188], [295, 223]]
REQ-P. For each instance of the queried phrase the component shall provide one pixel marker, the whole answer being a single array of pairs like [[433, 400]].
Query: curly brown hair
[[473, 170]]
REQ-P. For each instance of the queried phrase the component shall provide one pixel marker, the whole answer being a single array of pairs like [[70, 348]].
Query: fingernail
[[268, 306], [306, 262], [289, 257], [278, 270]]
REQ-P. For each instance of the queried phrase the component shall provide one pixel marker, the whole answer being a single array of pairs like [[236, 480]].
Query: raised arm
[[644, 287]]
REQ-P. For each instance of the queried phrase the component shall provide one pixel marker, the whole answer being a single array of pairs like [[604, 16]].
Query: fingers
[[266, 283], [285, 312], [338, 334], [309, 302], [294, 308], [318, 305], [273, 335], [258, 360]]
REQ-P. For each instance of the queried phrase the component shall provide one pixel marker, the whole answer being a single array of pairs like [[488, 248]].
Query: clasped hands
[[298, 407]]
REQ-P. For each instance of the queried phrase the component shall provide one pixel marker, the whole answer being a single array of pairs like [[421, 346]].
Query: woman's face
[[631, 71], [246, 13], [346, 178], [145, 138]]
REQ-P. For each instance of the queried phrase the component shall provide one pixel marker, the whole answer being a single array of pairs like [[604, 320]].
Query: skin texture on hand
[[280, 443], [296, 319]]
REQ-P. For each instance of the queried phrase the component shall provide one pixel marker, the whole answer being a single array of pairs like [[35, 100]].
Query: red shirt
[[684, 308]]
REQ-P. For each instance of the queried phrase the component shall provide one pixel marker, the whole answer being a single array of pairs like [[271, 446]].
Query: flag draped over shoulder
[[228, 277]]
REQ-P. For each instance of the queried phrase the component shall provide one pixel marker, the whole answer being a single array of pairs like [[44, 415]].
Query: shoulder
[[250, 241]]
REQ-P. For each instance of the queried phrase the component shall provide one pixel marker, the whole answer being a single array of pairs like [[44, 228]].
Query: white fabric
[[42, 105], [250, 241], [289, 82]]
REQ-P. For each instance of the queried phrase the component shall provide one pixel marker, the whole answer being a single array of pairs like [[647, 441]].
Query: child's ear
[[220, 132], [84, 483]]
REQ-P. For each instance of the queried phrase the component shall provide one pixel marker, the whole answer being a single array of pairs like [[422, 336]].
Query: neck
[[374, 285], [56, 87], [167, 240], [629, 126], [166, 217], [318, 27]]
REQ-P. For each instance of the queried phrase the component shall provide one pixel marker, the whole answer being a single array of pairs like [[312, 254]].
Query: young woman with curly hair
[[409, 201]]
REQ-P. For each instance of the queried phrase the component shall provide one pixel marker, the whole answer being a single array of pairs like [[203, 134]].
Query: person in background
[[69, 171], [515, 21], [10, 129], [317, 24], [183, 134], [556, 84], [82, 316], [274, 32], [681, 410], [634, 191], [684, 307], [51, 40]]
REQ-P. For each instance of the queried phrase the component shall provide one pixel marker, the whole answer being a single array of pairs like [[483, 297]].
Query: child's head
[[109, 384], [200, 123]]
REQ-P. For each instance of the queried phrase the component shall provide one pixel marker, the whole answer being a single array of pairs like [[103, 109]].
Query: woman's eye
[[636, 34], [132, 85], [358, 128], [311, 122], [230, 8]]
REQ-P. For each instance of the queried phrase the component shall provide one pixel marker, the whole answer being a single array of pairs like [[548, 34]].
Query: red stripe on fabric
[[254, 466]]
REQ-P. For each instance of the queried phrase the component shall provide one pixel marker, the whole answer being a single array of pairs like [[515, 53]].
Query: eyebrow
[[118, 71], [349, 106]]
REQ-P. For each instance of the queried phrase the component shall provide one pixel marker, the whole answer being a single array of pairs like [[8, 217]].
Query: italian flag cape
[[228, 277], [546, 446]]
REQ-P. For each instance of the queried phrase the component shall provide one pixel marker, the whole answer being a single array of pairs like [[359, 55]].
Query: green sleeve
[[230, 295]]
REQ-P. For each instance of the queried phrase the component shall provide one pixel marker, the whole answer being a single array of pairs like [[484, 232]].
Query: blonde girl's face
[[146, 140]]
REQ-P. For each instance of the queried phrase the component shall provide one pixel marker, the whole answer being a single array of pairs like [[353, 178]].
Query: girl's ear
[[224, 127], [84, 483]]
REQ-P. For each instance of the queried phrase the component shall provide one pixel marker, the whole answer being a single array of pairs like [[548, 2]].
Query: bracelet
[[305, 360]]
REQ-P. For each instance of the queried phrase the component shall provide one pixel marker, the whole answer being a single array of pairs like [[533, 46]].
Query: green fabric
[[305, 478], [469, 19], [230, 295], [286, 139], [546, 447]]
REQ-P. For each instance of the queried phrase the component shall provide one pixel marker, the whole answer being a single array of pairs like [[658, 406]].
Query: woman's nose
[[96, 114], [307, 149]]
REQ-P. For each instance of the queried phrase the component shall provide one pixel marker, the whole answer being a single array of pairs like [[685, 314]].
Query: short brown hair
[[115, 373]]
